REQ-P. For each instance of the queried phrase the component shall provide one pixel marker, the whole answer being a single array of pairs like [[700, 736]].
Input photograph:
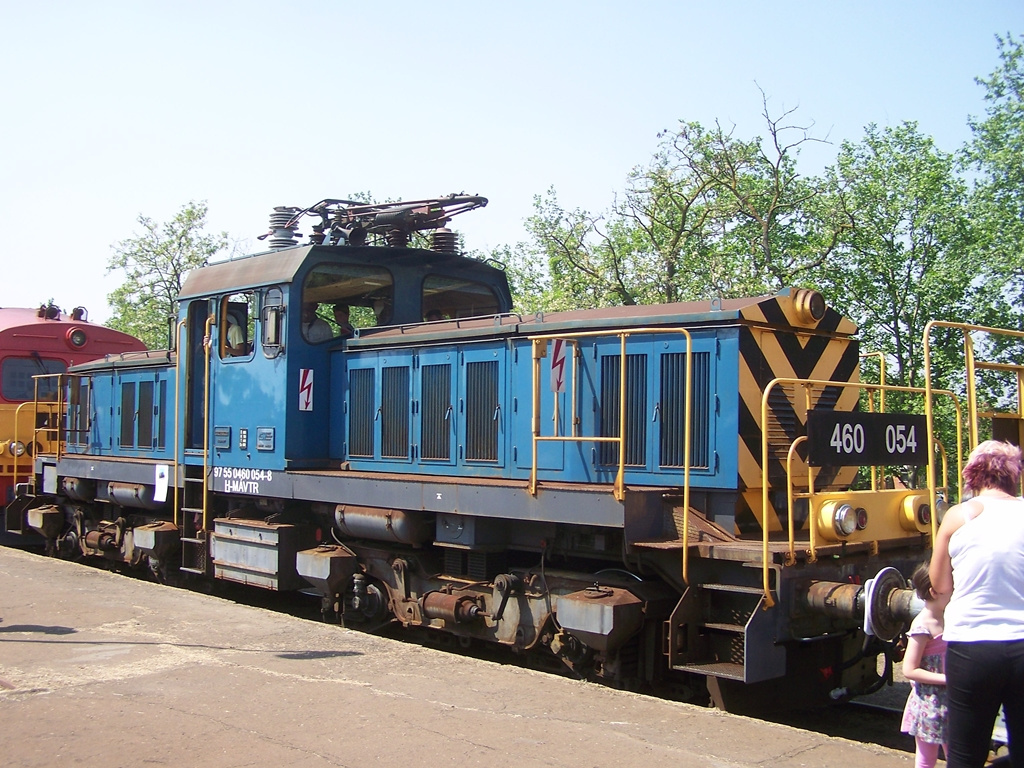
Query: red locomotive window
[[16, 383]]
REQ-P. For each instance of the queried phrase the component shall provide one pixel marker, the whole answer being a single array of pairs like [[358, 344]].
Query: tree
[[997, 152], [710, 216], [996, 155], [581, 254], [154, 263], [777, 227], [904, 258]]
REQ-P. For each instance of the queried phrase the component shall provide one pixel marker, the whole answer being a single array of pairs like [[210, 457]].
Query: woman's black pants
[[980, 677]]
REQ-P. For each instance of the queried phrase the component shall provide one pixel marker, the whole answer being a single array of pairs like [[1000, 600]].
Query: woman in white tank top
[[979, 558]]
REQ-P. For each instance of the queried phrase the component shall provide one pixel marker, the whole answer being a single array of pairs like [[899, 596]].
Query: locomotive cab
[[290, 311]]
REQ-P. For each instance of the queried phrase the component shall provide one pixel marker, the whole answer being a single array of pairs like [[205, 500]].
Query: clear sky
[[115, 108]]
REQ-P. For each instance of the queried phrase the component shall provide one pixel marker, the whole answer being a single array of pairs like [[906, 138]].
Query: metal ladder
[[194, 538]]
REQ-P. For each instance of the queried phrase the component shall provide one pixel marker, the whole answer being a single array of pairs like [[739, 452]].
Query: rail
[[539, 346], [808, 385]]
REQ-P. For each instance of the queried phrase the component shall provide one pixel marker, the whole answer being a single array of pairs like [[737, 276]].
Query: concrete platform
[[102, 670]]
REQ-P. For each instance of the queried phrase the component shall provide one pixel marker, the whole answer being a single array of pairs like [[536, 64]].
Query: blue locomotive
[[661, 497]]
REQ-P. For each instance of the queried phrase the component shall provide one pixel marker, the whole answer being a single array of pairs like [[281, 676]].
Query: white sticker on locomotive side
[[163, 472]]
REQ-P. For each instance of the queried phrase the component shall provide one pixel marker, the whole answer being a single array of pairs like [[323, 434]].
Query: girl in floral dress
[[925, 715]]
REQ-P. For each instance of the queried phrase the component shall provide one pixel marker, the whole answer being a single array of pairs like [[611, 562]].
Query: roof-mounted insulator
[[283, 231], [444, 241]]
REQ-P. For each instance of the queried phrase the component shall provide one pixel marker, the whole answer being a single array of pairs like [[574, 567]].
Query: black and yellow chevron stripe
[[780, 341]]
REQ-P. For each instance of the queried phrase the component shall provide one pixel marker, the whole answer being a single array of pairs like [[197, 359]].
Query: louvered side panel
[[395, 412], [360, 414], [436, 412], [481, 411]]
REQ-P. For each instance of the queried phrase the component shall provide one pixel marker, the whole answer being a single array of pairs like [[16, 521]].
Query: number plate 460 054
[[837, 438]]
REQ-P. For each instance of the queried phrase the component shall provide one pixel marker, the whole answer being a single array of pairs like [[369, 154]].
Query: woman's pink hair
[[993, 464]]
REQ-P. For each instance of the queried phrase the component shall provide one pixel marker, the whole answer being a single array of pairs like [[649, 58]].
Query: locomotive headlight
[[809, 305], [842, 517], [16, 448], [77, 338], [916, 514]]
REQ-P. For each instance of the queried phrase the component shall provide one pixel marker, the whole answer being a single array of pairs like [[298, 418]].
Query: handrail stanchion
[[619, 489], [537, 345], [177, 421], [206, 421], [791, 560], [768, 600], [687, 420]]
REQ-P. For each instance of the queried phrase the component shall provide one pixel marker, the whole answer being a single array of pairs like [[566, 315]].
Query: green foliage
[[997, 153], [904, 255], [709, 216], [895, 233], [154, 263], [995, 158]]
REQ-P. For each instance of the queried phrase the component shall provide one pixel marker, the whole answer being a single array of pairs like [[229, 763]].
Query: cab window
[[272, 323], [448, 298], [237, 320], [337, 299], [17, 385]]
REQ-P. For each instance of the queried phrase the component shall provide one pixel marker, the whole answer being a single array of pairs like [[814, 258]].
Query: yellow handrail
[[178, 394], [206, 419], [972, 395], [765, 507], [791, 558], [881, 376], [539, 343], [17, 414]]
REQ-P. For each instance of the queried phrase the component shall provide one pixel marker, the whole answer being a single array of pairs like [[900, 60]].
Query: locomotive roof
[[775, 310], [134, 359], [48, 331], [281, 266], [16, 317], [778, 309]]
